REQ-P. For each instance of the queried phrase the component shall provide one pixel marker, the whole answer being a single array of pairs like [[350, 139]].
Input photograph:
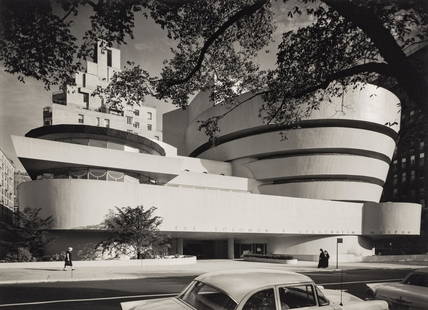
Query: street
[[106, 295]]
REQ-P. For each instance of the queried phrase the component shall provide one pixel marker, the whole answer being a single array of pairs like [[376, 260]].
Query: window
[[98, 121], [395, 192], [107, 122], [84, 80], [421, 159], [412, 175], [395, 179], [261, 300], [109, 58], [412, 113], [417, 279], [81, 118], [149, 115], [149, 127], [137, 112], [403, 163], [412, 159], [129, 120], [297, 297], [403, 177], [86, 99], [203, 296], [421, 145], [137, 125]]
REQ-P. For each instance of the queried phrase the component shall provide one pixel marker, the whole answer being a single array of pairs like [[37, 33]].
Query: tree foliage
[[133, 231], [27, 230], [346, 42]]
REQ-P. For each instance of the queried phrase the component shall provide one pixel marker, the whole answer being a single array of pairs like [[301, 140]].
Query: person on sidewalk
[[326, 258], [321, 259], [68, 261]]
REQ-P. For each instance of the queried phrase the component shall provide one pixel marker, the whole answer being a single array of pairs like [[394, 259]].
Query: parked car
[[409, 294], [255, 290]]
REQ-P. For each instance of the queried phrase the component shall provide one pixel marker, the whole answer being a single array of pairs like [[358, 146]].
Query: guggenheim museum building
[[252, 191]]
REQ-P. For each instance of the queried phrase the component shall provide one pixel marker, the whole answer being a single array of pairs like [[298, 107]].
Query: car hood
[[154, 304], [334, 297], [418, 295]]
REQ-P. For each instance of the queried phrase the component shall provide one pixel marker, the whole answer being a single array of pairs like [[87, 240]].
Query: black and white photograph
[[213, 154]]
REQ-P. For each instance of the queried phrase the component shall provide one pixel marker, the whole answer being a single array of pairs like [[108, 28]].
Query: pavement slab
[[53, 272]]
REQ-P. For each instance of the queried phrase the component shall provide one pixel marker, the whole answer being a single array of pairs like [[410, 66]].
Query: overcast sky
[[21, 104]]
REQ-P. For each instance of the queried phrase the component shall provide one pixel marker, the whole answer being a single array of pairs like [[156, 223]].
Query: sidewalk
[[52, 272]]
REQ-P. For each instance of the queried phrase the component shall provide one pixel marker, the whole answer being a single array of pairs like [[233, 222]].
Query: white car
[[264, 289], [409, 294]]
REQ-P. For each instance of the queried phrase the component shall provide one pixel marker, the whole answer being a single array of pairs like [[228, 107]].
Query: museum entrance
[[205, 249], [249, 248]]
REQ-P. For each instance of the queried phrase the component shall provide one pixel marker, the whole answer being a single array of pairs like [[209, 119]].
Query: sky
[[21, 104]]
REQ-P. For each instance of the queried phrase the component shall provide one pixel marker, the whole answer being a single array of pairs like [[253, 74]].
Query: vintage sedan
[[409, 294], [263, 289]]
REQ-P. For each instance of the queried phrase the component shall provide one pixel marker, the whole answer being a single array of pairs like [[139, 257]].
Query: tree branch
[[69, 12], [364, 18], [370, 67], [245, 11]]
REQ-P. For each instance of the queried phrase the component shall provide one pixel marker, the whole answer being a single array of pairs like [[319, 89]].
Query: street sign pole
[[339, 240]]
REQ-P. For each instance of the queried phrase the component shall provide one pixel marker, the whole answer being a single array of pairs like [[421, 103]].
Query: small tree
[[27, 230], [133, 231]]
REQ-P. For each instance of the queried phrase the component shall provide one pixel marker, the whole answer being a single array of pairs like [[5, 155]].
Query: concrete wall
[[54, 154], [342, 152], [76, 204], [304, 247]]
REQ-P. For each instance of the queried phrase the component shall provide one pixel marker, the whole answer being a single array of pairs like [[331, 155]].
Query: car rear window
[[205, 297]]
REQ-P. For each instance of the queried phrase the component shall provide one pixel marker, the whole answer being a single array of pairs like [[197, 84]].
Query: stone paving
[[53, 272]]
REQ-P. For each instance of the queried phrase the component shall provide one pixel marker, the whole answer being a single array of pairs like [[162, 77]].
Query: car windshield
[[205, 297], [418, 279]]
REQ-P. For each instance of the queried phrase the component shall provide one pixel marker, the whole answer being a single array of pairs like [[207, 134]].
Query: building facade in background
[[76, 105], [7, 192], [250, 191], [408, 176], [19, 177]]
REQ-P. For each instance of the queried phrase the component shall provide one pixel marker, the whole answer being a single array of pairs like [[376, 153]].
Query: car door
[[302, 296]]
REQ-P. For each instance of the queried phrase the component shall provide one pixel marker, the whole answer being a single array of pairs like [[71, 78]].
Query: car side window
[[262, 300], [299, 296]]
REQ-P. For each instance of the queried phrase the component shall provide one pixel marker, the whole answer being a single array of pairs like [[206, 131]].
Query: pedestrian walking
[[68, 261], [326, 258], [321, 259]]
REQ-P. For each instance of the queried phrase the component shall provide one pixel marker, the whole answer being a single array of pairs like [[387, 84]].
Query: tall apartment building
[[407, 179], [7, 193], [76, 105]]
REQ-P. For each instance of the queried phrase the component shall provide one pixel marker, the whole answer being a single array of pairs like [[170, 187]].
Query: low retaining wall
[[103, 263], [343, 258], [396, 258], [271, 260]]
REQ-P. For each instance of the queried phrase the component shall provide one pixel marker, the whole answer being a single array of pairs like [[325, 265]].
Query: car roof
[[238, 283]]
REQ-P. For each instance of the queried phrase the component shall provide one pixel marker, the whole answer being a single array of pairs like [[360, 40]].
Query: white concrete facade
[[250, 190]]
